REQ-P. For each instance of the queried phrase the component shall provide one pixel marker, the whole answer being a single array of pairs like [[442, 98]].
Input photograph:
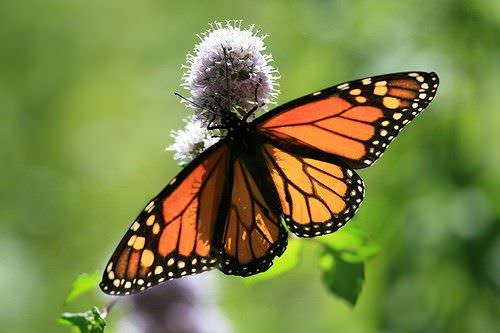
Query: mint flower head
[[229, 70]]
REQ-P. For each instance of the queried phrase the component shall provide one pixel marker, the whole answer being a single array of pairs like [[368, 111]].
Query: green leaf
[[82, 284], [85, 322], [352, 245], [344, 279], [286, 262], [343, 262]]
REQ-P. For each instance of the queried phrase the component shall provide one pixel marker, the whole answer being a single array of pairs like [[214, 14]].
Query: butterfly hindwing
[[173, 235], [253, 233], [318, 194], [355, 121]]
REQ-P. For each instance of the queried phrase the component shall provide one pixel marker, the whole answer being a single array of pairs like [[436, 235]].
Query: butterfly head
[[234, 125]]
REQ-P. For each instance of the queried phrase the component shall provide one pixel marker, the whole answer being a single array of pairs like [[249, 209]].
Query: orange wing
[[253, 234], [318, 195], [354, 121], [173, 235]]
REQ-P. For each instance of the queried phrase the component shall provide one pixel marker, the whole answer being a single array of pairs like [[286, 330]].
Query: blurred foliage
[[82, 284], [343, 278], [87, 106], [91, 321], [86, 322], [351, 244], [343, 260]]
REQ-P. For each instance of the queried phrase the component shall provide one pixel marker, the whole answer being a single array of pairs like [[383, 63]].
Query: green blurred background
[[87, 104]]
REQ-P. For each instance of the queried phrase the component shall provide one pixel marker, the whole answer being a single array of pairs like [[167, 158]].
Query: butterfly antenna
[[193, 103], [228, 77]]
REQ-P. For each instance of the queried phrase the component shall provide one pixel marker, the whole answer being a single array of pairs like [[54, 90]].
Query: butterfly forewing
[[355, 121], [173, 235]]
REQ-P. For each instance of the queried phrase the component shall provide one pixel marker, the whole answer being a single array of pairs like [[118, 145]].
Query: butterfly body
[[294, 165], [236, 128]]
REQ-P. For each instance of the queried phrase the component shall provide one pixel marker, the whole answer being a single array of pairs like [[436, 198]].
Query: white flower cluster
[[229, 65], [227, 71], [191, 141]]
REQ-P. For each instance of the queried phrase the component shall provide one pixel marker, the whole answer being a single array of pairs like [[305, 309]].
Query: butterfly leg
[[213, 127], [257, 105]]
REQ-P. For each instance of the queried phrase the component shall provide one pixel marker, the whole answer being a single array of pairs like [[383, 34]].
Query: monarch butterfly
[[292, 166]]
